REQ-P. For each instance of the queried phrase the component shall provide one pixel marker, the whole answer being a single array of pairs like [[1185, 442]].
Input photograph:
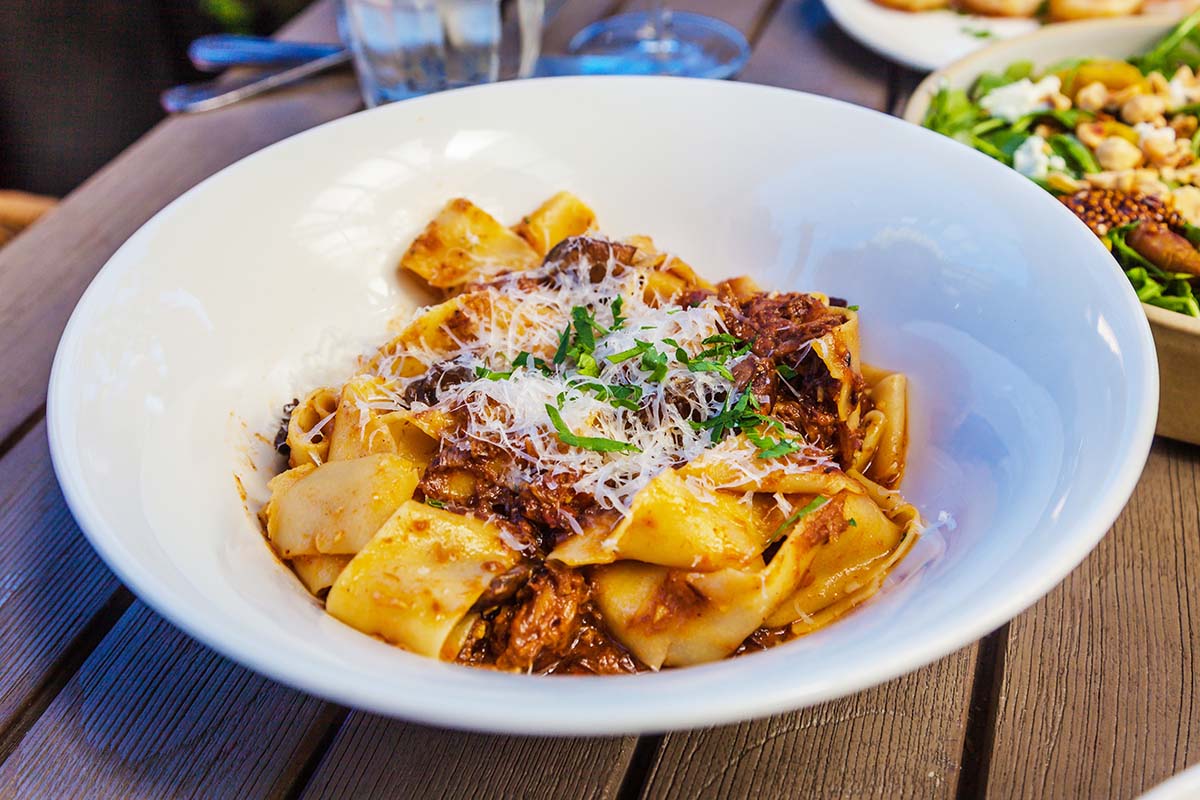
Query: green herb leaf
[[617, 305], [796, 516], [786, 372], [596, 443], [433, 501], [492, 375]]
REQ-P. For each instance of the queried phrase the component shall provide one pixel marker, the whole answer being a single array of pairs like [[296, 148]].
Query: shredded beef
[[551, 627]]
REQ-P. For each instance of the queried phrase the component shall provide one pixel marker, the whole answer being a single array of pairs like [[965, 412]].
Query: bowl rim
[[918, 105], [738, 703]]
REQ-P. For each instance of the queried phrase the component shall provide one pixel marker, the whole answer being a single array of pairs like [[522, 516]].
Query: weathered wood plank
[[44, 271], [376, 757], [1102, 678], [154, 714], [902, 739], [801, 48], [53, 587]]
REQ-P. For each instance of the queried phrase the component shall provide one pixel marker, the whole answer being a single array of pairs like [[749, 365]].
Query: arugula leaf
[[1074, 152], [596, 443], [1177, 48], [796, 516]]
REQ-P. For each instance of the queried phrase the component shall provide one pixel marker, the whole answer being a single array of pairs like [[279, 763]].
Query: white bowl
[[1176, 336], [1033, 374]]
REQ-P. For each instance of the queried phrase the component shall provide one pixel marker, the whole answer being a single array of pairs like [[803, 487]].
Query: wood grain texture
[[1101, 690], [902, 739], [376, 757], [153, 714], [52, 584], [801, 48], [44, 271]]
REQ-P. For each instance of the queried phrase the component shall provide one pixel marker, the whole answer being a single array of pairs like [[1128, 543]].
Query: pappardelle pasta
[[588, 459]]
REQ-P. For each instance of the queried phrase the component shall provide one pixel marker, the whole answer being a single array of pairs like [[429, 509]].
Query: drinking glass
[[404, 48], [664, 42]]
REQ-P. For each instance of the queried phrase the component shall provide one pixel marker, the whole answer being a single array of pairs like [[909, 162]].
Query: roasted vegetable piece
[[914, 5], [1002, 8], [1164, 248], [1115, 75], [1087, 9]]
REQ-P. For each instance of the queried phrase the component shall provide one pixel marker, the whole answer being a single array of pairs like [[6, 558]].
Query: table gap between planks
[[1089, 693]]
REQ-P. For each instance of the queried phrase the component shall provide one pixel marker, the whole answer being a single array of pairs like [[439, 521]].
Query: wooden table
[[1094, 692]]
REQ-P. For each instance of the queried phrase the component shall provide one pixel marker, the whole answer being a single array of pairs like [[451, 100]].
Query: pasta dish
[[589, 459]]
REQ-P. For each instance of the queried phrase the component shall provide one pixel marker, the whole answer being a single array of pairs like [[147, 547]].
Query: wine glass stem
[[658, 17]]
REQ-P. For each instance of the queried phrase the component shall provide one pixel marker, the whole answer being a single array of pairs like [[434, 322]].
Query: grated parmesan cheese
[[510, 413]]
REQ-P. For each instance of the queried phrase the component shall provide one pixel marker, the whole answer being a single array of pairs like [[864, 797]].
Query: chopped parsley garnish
[[638, 348], [597, 443], [796, 516], [744, 415], [617, 305], [617, 395], [491, 374], [524, 359], [433, 501], [853, 522]]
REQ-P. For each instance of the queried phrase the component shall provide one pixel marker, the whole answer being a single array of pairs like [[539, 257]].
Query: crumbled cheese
[[1147, 132], [1183, 89], [1015, 100], [1031, 158]]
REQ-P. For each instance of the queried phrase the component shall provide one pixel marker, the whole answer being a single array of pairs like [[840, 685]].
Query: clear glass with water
[[404, 48]]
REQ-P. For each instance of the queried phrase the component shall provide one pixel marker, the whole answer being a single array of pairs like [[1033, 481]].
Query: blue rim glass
[[693, 45]]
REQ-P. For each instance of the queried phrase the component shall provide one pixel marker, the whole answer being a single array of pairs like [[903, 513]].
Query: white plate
[[1184, 786], [924, 40], [1033, 376]]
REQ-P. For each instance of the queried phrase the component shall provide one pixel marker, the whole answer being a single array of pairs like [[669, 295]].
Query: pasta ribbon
[[415, 582]]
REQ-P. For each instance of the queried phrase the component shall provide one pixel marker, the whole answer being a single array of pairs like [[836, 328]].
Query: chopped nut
[[1060, 101], [1092, 97], [1092, 133], [1167, 154], [1159, 86], [1115, 153], [1187, 203], [1152, 186], [1043, 130], [1143, 108], [1122, 96], [1184, 125]]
